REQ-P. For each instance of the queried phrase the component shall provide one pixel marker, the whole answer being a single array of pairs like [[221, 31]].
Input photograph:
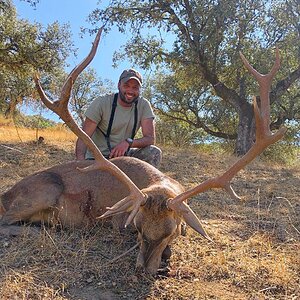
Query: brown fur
[[65, 195]]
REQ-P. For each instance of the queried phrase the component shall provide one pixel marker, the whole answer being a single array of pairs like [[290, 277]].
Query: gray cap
[[131, 74]]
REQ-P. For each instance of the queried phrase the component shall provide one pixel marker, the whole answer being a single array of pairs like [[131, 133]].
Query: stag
[[124, 189]]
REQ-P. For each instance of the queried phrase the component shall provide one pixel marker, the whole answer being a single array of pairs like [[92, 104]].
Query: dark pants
[[150, 154]]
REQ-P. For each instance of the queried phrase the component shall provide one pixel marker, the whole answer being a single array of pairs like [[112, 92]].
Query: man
[[113, 120]]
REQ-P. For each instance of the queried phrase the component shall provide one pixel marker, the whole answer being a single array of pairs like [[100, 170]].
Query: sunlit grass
[[11, 133]]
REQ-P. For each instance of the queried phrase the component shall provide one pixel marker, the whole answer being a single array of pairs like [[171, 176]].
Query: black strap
[[112, 115], [134, 125], [135, 120]]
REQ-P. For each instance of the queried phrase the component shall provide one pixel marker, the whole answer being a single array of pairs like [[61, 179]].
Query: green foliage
[[176, 133], [197, 43], [26, 48], [86, 88], [187, 99], [34, 122], [283, 153], [286, 151]]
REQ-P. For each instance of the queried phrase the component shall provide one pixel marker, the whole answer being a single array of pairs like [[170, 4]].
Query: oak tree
[[199, 42]]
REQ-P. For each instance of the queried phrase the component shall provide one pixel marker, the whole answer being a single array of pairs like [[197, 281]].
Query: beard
[[123, 98]]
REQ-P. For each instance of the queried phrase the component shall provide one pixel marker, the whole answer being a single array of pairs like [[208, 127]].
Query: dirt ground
[[256, 254]]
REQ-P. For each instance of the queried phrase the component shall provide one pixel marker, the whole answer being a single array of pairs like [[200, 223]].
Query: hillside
[[256, 254]]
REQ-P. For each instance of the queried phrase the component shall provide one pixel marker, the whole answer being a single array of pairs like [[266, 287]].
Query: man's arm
[[148, 131], [89, 128]]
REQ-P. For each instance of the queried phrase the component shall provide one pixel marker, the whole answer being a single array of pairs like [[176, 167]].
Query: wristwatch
[[129, 141]]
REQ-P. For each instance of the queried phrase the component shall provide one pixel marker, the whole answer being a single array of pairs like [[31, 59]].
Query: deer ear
[[188, 216]]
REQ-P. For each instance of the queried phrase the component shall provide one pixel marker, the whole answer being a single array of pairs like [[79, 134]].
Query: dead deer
[[77, 193]]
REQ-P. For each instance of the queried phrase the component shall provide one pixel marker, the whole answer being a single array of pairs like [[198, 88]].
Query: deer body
[[65, 195], [73, 198]]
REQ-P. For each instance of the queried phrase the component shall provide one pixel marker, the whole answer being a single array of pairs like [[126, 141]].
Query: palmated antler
[[264, 138], [60, 107]]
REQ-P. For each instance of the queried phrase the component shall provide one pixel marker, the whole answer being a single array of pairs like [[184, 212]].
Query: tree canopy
[[193, 47], [87, 88], [203, 81], [26, 48]]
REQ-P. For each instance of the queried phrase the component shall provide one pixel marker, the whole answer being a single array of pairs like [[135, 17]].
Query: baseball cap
[[131, 74]]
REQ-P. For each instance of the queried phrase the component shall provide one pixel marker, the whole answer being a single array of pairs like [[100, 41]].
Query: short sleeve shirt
[[100, 110]]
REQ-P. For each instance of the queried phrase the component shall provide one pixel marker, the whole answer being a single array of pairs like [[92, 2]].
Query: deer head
[[158, 210]]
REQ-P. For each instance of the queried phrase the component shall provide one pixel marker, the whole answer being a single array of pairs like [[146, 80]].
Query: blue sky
[[75, 13]]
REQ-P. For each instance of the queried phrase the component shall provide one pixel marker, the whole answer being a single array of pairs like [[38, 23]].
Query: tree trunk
[[10, 109], [245, 131]]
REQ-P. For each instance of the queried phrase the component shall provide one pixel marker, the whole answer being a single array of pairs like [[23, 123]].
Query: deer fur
[[66, 196]]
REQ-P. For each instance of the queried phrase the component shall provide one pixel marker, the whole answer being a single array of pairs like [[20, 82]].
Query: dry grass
[[14, 134], [10, 133], [256, 254]]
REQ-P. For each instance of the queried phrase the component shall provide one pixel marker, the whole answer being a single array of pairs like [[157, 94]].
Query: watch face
[[129, 140]]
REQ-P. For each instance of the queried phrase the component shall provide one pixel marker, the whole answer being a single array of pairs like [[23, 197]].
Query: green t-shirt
[[100, 110]]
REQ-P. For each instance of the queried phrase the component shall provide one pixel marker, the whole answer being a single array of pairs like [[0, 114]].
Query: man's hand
[[119, 150]]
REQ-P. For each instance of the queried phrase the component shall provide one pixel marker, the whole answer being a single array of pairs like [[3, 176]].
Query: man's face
[[129, 91]]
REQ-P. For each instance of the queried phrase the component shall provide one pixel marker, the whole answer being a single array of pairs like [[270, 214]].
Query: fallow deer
[[77, 193]]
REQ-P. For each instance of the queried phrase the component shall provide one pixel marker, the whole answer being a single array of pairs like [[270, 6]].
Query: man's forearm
[[143, 142]]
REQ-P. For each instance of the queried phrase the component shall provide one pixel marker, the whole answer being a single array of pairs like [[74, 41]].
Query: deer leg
[[32, 199], [166, 253]]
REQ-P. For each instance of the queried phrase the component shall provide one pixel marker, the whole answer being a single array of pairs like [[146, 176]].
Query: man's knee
[[155, 156], [150, 154]]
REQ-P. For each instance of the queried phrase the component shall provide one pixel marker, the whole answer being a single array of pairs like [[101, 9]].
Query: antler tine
[[67, 87], [60, 107], [264, 87], [264, 138]]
